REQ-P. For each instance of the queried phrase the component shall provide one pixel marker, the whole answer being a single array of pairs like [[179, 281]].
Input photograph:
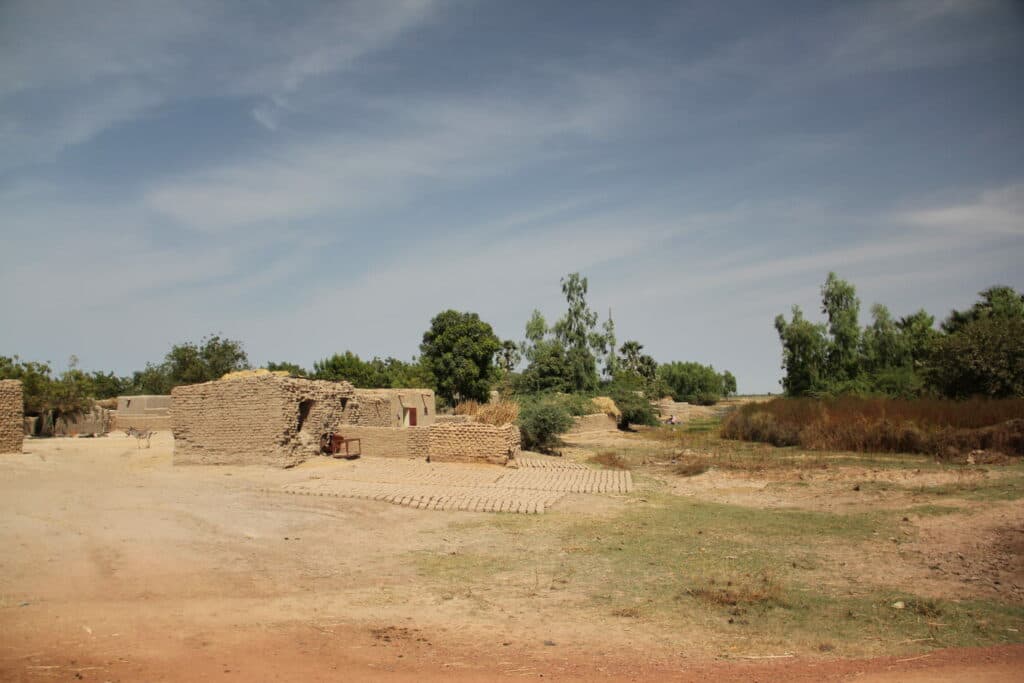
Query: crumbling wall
[[598, 422], [472, 442], [94, 421], [262, 419], [12, 423]]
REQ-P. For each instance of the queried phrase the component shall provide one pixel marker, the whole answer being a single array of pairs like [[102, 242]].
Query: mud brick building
[[270, 419], [12, 416]]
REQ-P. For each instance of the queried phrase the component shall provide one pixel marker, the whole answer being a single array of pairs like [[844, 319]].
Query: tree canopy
[[458, 350]]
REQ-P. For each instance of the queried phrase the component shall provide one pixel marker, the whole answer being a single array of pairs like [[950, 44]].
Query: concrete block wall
[[598, 422], [254, 420], [12, 414]]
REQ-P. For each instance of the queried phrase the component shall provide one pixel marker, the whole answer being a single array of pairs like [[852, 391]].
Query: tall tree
[[804, 350], [576, 330], [458, 349], [998, 301], [840, 304], [611, 360]]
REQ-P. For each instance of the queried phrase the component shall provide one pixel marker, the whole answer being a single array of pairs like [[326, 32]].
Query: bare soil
[[119, 567]]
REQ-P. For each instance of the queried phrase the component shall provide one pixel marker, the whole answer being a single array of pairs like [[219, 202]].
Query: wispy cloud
[[997, 212]]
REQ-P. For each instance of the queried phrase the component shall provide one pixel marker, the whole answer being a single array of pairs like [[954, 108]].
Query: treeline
[[978, 351], [461, 359]]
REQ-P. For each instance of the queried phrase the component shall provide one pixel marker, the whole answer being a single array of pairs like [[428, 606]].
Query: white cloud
[[994, 213]]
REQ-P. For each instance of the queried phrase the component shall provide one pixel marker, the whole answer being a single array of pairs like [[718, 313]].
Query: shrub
[[930, 426], [540, 423], [634, 409]]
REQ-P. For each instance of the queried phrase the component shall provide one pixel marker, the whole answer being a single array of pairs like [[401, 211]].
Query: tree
[[693, 382], [351, 368], [211, 359], [998, 301], [458, 350], [549, 370], [918, 333], [576, 330], [290, 368], [611, 361], [804, 349], [508, 356], [985, 357], [882, 344], [728, 384], [840, 304]]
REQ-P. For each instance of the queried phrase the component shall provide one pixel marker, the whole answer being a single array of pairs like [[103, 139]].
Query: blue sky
[[314, 177]]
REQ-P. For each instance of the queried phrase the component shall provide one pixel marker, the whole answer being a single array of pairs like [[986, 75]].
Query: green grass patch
[[745, 576]]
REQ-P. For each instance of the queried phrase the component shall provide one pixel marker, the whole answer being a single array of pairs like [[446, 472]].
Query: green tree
[[351, 368], [577, 332], [804, 350], [883, 345], [728, 384], [693, 382], [290, 368], [611, 360], [918, 333], [841, 306], [211, 359], [508, 356], [152, 380], [458, 349], [549, 370], [998, 301], [984, 357]]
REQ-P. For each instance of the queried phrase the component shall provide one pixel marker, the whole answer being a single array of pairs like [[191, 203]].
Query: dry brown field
[[764, 563]]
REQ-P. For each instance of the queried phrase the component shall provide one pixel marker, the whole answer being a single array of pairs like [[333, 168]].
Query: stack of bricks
[[264, 419], [472, 442], [12, 423]]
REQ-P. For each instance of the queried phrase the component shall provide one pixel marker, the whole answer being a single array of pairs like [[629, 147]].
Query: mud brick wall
[[153, 423], [94, 421], [143, 405], [12, 422], [368, 410], [381, 442], [264, 419], [598, 422], [472, 442], [385, 407]]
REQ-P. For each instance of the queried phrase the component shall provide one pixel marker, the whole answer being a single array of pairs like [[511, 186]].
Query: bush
[[929, 426], [541, 421], [634, 408]]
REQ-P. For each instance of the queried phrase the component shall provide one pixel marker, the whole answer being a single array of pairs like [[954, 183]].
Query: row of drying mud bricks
[[12, 416]]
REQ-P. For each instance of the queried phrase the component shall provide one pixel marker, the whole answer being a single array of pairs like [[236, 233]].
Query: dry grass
[[469, 407], [760, 590], [691, 467], [610, 460], [606, 405], [935, 427], [496, 413]]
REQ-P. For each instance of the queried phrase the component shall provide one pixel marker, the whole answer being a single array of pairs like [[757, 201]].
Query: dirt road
[[119, 567]]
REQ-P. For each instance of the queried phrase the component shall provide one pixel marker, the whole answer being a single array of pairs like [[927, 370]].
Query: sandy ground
[[119, 567]]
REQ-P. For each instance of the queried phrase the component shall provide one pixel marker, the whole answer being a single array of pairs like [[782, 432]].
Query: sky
[[311, 177]]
